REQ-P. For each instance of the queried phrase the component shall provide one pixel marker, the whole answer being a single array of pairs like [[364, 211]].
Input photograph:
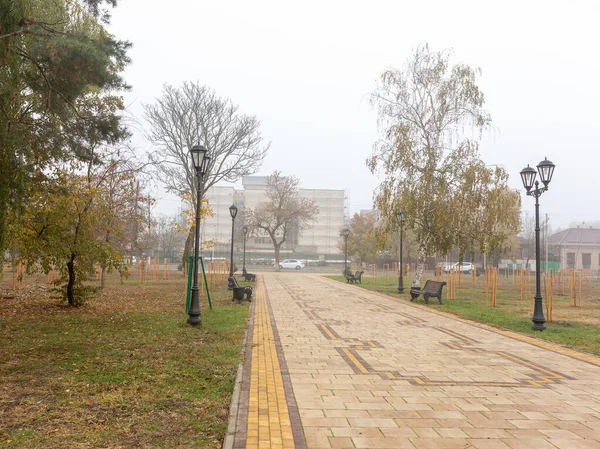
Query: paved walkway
[[330, 365]]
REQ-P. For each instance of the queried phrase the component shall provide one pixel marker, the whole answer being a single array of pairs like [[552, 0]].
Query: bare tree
[[170, 240], [283, 211], [194, 114], [528, 234]]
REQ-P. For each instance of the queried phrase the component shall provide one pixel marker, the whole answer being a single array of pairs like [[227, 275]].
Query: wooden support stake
[[580, 295], [495, 284], [528, 283], [522, 284], [574, 287], [487, 286], [550, 298]]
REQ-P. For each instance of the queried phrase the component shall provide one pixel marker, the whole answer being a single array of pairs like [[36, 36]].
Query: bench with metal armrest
[[431, 289], [239, 292]]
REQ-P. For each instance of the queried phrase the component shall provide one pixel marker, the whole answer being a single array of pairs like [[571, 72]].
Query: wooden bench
[[431, 289], [239, 292], [248, 276], [358, 276], [354, 278], [349, 278]]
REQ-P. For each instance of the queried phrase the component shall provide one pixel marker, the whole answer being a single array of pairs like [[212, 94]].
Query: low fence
[[150, 270]]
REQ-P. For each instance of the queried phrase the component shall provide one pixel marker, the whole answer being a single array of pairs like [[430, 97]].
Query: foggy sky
[[305, 69]]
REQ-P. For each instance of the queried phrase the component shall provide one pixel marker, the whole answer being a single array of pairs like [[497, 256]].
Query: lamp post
[[528, 174], [400, 216], [245, 231], [346, 234], [200, 159], [233, 212]]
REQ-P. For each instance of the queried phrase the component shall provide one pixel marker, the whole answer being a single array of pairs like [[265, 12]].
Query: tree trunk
[[188, 248], [420, 268], [104, 263], [277, 247], [71, 282]]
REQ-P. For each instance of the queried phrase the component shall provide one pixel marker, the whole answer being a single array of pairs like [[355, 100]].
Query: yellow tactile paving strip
[[269, 424]]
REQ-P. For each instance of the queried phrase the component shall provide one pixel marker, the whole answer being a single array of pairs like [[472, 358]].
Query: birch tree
[[431, 116], [485, 211], [283, 211]]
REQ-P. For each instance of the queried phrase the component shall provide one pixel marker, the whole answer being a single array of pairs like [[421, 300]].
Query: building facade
[[320, 238], [577, 248]]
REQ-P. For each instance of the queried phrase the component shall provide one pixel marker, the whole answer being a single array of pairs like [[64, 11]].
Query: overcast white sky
[[305, 69]]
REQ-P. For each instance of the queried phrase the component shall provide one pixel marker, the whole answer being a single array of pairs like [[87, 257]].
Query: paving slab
[[330, 365]]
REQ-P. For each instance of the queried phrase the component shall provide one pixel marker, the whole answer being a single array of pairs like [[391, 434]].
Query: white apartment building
[[218, 226], [320, 238]]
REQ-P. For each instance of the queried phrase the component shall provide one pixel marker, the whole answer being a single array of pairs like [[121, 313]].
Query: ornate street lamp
[[233, 210], [245, 231], [200, 159], [400, 216], [346, 231], [528, 174]]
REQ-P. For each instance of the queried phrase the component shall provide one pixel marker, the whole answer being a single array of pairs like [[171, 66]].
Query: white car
[[464, 267], [292, 263]]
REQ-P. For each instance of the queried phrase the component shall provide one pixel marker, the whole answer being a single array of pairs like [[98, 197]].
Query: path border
[[237, 429], [238, 410], [297, 429]]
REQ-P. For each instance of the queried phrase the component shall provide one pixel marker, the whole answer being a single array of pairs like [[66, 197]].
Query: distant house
[[577, 248]]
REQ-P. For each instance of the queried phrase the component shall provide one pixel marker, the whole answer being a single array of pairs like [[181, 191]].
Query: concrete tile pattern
[[266, 411], [414, 372], [369, 371]]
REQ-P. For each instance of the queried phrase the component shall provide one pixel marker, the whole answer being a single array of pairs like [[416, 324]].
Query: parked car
[[446, 266], [292, 263], [464, 267]]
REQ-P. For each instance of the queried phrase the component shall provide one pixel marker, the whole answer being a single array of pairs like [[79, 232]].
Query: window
[[570, 260], [586, 261]]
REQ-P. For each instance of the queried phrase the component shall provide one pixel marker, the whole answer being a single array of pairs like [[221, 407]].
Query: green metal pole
[[189, 286], [205, 283]]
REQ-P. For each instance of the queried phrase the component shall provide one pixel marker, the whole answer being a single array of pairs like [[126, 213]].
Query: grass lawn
[[577, 327], [122, 371]]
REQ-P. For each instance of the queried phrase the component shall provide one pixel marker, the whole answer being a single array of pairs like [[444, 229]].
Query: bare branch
[[193, 114], [283, 211]]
